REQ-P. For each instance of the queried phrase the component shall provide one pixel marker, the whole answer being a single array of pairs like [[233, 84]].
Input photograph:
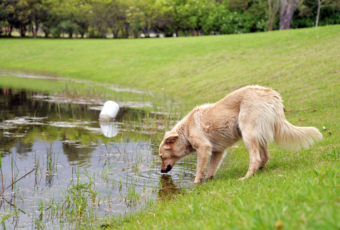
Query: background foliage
[[124, 18]]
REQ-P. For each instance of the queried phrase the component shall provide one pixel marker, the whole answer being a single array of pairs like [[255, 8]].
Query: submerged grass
[[296, 190], [80, 201], [63, 89]]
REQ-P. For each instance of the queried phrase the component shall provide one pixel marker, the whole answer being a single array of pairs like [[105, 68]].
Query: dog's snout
[[167, 169]]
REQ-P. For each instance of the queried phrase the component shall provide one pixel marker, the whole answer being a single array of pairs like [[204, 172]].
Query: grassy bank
[[198, 68], [296, 190], [91, 92]]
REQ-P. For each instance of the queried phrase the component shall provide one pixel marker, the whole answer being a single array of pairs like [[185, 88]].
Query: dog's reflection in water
[[167, 188]]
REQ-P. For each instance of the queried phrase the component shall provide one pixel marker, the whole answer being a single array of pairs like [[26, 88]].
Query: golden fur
[[253, 113]]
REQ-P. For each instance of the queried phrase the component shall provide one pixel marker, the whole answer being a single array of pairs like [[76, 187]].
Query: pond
[[60, 167]]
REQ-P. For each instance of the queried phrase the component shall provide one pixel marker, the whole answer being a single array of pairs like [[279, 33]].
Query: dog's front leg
[[203, 153], [215, 161]]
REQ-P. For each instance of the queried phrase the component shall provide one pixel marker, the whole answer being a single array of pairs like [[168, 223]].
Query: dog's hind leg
[[215, 162], [254, 153], [264, 155]]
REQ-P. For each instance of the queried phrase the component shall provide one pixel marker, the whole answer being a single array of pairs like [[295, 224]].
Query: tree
[[187, 16], [322, 4], [80, 13], [73, 16], [19, 14], [50, 25], [273, 8], [116, 16], [192, 17], [175, 13], [99, 17], [136, 19], [163, 20], [5, 10], [286, 13]]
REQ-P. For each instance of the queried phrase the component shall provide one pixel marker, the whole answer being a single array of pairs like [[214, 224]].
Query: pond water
[[74, 167]]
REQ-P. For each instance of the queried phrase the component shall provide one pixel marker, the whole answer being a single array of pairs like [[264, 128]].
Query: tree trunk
[[46, 34], [115, 32], [34, 31], [270, 26], [270, 11], [82, 34], [103, 33], [318, 14], [125, 33], [10, 31], [273, 8], [70, 34], [36, 26], [135, 34], [286, 14], [125, 30], [22, 31]]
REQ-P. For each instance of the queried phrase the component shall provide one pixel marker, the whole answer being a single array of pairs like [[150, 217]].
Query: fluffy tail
[[267, 114], [293, 137]]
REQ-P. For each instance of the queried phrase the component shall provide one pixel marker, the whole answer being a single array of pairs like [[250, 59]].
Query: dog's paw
[[197, 181], [209, 177]]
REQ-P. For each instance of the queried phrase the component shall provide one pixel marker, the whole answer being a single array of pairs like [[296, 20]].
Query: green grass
[[89, 91], [197, 68], [299, 189], [70, 89]]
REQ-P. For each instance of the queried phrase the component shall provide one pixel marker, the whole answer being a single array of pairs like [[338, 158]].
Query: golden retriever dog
[[253, 113]]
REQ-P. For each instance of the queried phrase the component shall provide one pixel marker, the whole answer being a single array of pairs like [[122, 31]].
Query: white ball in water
[[109, 111]]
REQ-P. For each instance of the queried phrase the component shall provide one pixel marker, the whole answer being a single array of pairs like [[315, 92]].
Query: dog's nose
[[167, 169]]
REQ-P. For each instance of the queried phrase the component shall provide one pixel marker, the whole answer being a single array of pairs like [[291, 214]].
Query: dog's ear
[[171, 139]]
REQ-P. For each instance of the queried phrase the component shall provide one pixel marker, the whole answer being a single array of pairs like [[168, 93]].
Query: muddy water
[[115, 166]]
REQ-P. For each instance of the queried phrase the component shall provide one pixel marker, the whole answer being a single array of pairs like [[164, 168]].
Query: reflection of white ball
[[109, 111], [109, 129]]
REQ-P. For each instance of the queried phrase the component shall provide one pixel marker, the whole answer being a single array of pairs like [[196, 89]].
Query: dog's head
[[171, 150]]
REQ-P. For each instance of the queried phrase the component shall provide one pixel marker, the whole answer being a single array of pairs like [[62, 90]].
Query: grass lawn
[[197, 68], [296, 190]]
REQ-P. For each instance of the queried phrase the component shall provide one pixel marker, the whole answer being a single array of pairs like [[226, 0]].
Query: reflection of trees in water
[[167, 188], [23, 148], [5, 146], [15, 103], [18, 103], [76, 154], [49, 179], [128, 114]]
